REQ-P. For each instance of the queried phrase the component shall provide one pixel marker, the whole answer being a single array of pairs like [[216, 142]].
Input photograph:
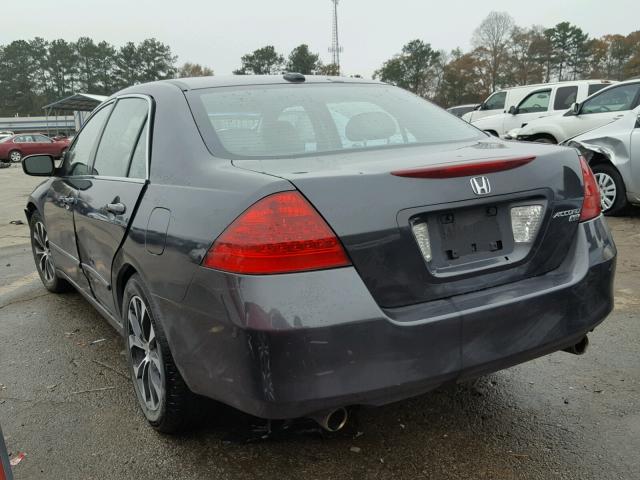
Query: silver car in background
[[613, 152]]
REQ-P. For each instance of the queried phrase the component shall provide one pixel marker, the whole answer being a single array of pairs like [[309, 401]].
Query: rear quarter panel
[[203, 195]]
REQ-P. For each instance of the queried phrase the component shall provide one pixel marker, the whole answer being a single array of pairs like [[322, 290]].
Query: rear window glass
[[277, 121]]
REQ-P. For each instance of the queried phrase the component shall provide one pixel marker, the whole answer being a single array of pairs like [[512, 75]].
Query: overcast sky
[[217, 33]]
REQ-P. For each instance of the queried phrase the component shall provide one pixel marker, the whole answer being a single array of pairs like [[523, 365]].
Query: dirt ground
[[558, 417]]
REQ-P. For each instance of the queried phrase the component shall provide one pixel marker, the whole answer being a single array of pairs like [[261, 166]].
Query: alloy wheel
[[608, 190], [15, 156], [44, 262], [144, 351]]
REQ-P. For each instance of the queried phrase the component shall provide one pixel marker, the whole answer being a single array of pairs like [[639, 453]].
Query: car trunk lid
[[375, 214]]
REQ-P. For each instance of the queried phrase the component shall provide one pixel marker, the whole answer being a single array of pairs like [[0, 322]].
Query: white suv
[[606, 106], [544, 100]]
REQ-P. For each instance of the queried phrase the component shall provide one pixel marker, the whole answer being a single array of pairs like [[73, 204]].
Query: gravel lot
[[561, 416]]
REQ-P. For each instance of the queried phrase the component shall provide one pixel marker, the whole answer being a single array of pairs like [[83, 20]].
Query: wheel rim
[[44, 262], [15, 156], [608, 190], [144, 352]]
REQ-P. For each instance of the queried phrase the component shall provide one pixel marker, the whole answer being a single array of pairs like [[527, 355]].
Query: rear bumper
[[286, 346]]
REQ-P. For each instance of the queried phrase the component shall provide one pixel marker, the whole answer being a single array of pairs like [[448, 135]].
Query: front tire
[[545, 139], [161, 391], [613, 193], [15, 156], [42, 256]]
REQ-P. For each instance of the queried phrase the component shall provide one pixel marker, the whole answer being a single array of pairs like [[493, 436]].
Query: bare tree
[[491, 38]]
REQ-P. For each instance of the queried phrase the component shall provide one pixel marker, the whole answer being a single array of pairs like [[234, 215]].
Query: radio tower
[[335, 48]]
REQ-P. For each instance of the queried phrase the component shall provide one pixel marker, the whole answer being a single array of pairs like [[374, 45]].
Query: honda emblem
[[480, 185]]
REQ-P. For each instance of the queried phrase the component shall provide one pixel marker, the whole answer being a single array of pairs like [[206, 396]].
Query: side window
[[596, 87], [79, 155], [42, 139], [120, 136], [138, 168], [535, 102], [565, 97], [19, 139], [613, 100], [496, 101]]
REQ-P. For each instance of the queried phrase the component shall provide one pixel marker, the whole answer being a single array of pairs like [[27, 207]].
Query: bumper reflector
[[421, 232], [525, 221]]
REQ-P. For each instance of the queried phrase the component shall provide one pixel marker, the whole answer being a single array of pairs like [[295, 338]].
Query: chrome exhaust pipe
[[579, 348], [332, 420]]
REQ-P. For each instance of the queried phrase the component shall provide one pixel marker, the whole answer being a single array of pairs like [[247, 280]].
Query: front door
[[61, 199], [105, 209], [23, 144], [603, 108], [533, 106]]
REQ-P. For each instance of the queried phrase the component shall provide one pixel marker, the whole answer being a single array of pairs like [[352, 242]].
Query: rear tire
[[42, 256], [163, 396], [613, 192]]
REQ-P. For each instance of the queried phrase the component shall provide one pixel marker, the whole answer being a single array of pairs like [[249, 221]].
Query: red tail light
[[468, 169], [591, 206], [281, 233]]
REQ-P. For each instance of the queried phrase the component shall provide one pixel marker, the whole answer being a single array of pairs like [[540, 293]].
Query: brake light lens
[[467, 169], [591, 206], [281, 233]]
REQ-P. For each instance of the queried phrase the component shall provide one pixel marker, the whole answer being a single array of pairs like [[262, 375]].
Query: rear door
[[106, 207], [635, 155], [44, 144], [565, 97], [61, 198]]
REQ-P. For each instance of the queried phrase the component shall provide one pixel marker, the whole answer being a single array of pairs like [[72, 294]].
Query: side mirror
[[513, 110], [638, 122], [574, 110], [38, 165]]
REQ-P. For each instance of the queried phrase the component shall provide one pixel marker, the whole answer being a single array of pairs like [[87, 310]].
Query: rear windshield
[[276, 121]]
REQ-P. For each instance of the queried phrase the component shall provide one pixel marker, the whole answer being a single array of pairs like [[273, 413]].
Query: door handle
[[116, 208]]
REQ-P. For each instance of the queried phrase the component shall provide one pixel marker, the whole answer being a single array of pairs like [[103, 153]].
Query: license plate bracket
[[469, 238]]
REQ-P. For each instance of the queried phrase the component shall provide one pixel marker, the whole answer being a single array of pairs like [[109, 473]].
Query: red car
[[15, 147]]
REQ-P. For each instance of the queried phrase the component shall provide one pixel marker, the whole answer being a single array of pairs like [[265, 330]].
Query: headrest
[[370, 126], [281, 137]]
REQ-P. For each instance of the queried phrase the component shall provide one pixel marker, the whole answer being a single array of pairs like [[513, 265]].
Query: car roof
[[564, 82], [617, 84], [194, 83]]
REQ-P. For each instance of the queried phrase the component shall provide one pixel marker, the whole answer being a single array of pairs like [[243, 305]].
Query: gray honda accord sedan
[[293, 246]]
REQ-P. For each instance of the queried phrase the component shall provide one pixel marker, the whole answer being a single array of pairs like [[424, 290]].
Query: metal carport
[[78, 103]]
